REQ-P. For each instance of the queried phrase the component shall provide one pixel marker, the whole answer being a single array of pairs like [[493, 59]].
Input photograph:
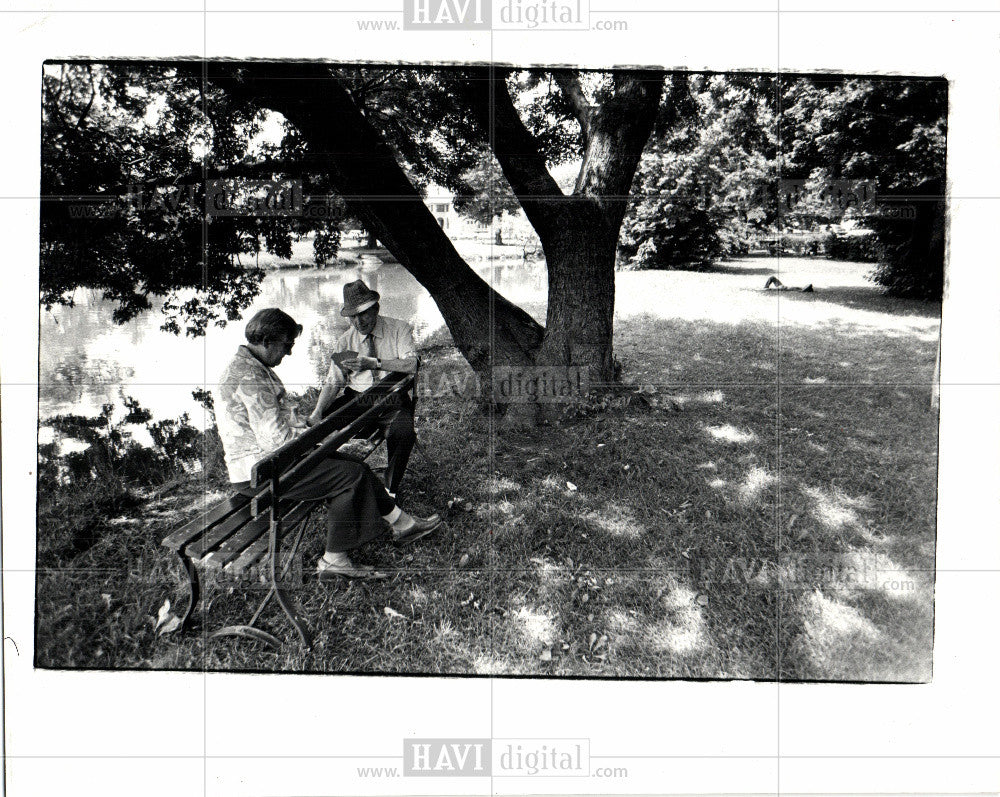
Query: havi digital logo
[[444, 757], [447, 14]]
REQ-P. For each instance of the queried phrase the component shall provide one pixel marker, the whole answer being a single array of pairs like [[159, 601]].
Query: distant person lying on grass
[[775, 284], [252, 423]]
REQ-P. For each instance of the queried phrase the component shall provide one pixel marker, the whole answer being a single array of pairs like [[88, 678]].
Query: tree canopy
[[690, 163], [126, 152], [369, 139]]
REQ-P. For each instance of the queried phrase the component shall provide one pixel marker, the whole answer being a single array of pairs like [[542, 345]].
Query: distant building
[[514, 227]]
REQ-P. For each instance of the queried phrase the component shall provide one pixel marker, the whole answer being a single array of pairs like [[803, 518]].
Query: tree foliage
[[129, 148], [483, 194], [893, 133], [125, 154], [710, 183], [702, 187]]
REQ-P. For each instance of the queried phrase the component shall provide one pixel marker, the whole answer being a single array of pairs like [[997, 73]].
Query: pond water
[[85, 360]]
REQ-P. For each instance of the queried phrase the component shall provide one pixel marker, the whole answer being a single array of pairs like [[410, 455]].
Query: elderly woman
[[252, 422]]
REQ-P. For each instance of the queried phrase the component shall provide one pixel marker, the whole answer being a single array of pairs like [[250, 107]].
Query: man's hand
[[362, 364], [342, 358]]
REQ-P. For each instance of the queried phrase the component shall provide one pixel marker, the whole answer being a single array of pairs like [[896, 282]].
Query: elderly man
[[379, 344], [253, 421]]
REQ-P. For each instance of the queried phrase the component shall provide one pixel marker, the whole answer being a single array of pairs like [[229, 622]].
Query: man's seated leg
[[396, 423], [351, 413], [400, 438], [358, 507], [341, 402]]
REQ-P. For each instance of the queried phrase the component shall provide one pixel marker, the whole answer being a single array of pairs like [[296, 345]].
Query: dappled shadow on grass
[[619, 527], [835, 352], [666, 535], [857, 513], [99, 609], [681, 352], [678, 353]]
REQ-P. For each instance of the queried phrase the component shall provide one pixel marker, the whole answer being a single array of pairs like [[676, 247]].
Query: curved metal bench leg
[[247, 632], [194, 586], [293, 618], [282, 599], [260, 609]]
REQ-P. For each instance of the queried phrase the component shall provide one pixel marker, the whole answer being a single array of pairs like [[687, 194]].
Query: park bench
[[237, 537]]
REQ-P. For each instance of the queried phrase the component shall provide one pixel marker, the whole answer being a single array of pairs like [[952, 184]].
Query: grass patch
[[752, 505]]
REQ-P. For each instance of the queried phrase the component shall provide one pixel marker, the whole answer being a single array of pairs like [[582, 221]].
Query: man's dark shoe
[[421, 528]]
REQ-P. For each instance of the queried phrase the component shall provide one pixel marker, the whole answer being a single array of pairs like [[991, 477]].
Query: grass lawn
[[757, 502]]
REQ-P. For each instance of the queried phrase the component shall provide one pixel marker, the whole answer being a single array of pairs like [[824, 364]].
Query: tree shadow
[[660, 525], [682, 353], [869, 298]]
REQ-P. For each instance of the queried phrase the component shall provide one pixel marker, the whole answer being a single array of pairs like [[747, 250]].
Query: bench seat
[[241, 536]]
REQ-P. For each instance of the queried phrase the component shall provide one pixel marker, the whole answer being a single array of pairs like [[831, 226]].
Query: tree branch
[[365, 172], [618, 133], [93, 95], [515, 149], [569, 84]]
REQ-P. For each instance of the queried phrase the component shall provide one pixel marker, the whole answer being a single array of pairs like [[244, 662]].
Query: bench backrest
[[325, 437]]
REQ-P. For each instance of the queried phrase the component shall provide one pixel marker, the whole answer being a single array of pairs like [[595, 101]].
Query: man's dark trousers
[[396, 423]]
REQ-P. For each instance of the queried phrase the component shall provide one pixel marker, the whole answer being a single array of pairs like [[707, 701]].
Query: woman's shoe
[[326, 571]]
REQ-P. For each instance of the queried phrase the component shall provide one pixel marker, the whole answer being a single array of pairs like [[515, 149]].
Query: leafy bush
[[862, 248], [79, 491], [912, 249]]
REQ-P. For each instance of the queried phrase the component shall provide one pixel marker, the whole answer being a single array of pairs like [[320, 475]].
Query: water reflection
[[85, 360]]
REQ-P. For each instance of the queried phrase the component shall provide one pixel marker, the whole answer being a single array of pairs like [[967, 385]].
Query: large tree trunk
[[580, 317], [579, 234], [487, 328]]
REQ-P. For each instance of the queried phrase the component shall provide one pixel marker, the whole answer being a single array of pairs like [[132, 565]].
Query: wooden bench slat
[[221, 531], [250, 531], [259, 547], [234, 545], [319, 454], [258, 550], [205, 520]]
